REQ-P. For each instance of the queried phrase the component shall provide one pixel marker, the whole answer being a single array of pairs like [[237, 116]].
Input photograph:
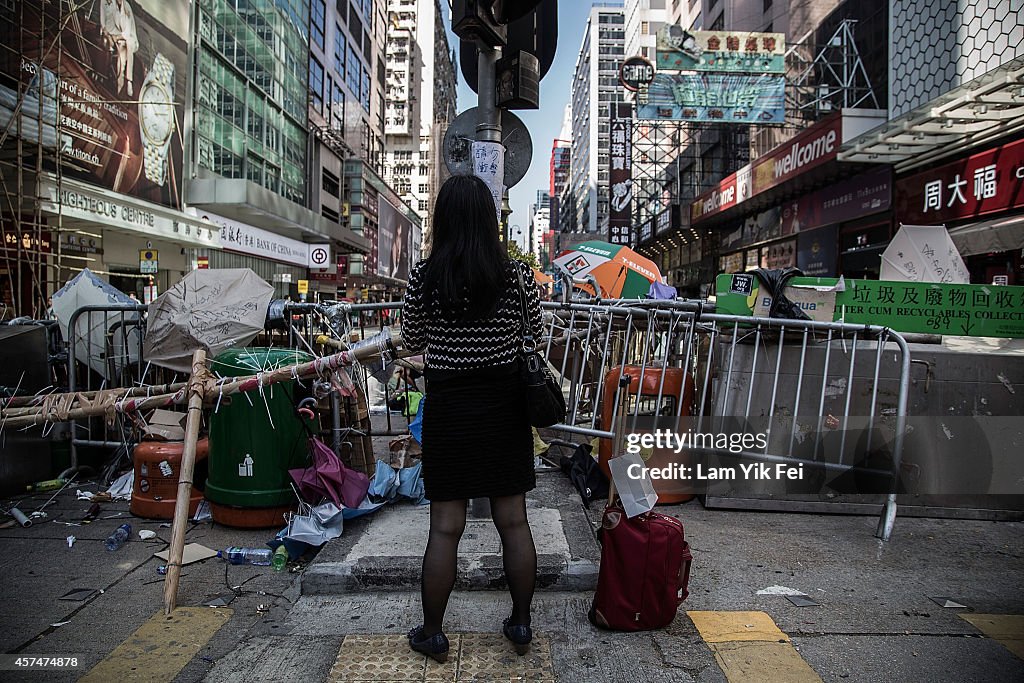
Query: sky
[[544, 123]]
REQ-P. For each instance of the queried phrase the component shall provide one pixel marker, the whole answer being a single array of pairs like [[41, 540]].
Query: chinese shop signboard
[[723, 51], [977, 185], [922, 307], [620, 176], [718, 98]]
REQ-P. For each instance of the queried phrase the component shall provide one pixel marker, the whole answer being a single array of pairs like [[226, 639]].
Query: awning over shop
[[249, 203], [996, 235], [80, 205], [980, 111]]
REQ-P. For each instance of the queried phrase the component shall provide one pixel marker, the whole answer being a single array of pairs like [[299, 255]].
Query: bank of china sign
[[246, 239]]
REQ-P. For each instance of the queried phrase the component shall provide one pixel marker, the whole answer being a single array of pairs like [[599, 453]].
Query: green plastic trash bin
[[252, 445]]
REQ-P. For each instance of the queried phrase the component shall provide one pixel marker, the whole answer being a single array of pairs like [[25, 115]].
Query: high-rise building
[[420, 101], [644, 18], [594, 89], [346, 50], [562, 205], [260, 99], [540, 222]]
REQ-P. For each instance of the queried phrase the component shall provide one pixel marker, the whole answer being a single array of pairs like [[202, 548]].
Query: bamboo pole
[[214, 390], [196, 390]]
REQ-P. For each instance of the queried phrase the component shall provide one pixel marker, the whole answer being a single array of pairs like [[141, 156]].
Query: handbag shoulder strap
[[529, 344]]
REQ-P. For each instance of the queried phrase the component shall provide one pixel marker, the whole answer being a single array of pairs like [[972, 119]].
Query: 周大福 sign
[[978, 185], [718, 98], [721, 51]]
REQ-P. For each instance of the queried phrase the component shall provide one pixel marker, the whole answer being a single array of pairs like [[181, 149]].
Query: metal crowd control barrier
[[744, 368], [104, 352]]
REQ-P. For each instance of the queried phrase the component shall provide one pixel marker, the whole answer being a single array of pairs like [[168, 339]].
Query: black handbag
[[544, 399]]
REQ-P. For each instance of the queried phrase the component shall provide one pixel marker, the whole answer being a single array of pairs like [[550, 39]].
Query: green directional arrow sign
[[924, 307]]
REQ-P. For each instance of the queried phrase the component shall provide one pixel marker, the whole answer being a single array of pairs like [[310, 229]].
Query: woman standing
[[462, 307]]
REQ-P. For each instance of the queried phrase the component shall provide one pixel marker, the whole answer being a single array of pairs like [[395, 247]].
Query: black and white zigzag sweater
[[453, 345]]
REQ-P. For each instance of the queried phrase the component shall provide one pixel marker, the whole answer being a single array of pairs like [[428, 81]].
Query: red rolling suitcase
[[645, 567]]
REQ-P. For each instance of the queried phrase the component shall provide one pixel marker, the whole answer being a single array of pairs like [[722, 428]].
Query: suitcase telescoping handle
[[619, 436]]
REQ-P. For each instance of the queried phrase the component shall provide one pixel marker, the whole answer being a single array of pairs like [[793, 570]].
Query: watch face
[[156, 113]]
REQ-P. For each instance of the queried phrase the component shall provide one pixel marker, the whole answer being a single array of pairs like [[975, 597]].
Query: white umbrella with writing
[[923, 253], [211, 309]]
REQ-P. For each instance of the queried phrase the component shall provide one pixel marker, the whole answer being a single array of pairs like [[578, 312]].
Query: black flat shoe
[[435, 647], [519, 634]]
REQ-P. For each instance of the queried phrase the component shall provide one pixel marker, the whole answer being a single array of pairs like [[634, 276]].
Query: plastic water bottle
[[119, 537], [280, 560], [257, 556]]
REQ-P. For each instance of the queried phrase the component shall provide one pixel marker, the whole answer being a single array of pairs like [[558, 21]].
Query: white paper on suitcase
[[637, 495]]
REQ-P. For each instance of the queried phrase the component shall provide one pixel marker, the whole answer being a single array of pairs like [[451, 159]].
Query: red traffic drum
[[157, 466], [672, 392]]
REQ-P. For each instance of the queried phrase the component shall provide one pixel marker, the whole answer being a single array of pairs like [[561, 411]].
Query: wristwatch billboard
[[156, 118]]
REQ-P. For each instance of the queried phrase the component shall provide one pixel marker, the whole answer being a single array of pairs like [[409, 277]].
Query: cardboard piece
[[194, 552], [166, 425], [818, 305]]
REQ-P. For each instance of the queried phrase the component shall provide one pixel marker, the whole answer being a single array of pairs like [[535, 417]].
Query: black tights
[[447, 522]]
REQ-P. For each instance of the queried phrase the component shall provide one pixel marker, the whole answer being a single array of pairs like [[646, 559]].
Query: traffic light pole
[[488, 152]]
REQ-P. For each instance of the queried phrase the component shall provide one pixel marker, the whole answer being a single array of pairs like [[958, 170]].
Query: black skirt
[[477, 441]]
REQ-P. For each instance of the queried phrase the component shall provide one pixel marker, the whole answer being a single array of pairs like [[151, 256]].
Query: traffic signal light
[[474, 20], [534, 31]]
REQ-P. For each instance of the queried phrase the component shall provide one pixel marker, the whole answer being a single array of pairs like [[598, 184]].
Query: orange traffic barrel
[[672, 393], [157, 466]]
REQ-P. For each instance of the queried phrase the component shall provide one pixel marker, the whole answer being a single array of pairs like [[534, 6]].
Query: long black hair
[[466, 272]]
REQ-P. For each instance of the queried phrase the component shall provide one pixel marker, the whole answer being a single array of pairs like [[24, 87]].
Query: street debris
[[803, 601], [779, 590], [121, 488], [203, 513], [946, 602], [194, 552], [20, 517], [222, 600], [71, 541], [80, 594], [146, 534]]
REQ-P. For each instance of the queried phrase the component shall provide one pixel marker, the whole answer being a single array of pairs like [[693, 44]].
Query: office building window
[[355, 25], [316, 21], [338, 108], [331, 184], [339, 51], [316, 83], [352, 71], [364, 90], [342, 7]]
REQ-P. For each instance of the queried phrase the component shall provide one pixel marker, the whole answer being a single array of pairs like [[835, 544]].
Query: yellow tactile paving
[[722, 627], [750, 648], [161, 647], [763, 662], [1005, 629], [476, 657]]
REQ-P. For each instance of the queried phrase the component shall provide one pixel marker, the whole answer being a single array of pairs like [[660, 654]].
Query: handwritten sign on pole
[[489, 165]]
